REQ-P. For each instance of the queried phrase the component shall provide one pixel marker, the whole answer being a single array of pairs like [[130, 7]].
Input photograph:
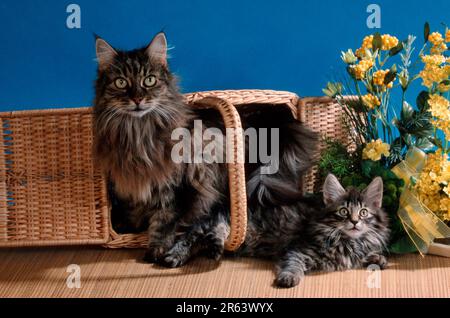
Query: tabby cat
[[349, 230], [137, 107]]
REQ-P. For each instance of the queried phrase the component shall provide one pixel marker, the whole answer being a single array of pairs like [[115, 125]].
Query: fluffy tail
[[298, 152]]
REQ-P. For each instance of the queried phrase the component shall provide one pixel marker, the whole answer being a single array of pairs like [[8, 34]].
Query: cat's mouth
[[139, 110], [354, 231]]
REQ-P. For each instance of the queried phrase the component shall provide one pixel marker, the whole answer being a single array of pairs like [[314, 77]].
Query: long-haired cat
[[136, 108], [349, 231]]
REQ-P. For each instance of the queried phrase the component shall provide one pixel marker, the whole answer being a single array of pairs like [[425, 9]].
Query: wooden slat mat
[[118, 273]]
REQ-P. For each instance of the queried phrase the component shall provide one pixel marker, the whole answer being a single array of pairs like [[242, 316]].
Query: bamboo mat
[[120, 273]]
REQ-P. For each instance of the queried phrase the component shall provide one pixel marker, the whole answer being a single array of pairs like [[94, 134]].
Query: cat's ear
[[332, 190], [373, 194], [157, 49], [105, 53]]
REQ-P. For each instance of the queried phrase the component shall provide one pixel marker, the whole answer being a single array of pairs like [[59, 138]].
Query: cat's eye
[[149, 81], [363, 213], [343, 212], [121, 83]]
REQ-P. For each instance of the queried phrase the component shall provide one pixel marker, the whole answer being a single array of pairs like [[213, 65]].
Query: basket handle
[[236, 171]]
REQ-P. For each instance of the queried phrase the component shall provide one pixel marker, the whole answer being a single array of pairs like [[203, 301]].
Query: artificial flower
[[432, 185], [388, 42], [375, 149], [361, 68], [379, 76], [435, 38], [371, 101]]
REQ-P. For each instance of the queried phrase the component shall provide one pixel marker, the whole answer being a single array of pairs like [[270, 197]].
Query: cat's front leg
[[184, 248], [376, 259], [215, 239], [291, 268], [161, 235]]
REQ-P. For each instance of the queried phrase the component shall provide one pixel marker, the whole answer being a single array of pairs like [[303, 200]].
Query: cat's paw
[[287, 279], [177, 256], [377, 259], [215, 248], [154, 254], [173, 261]]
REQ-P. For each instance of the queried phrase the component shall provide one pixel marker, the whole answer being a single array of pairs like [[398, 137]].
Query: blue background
[[227, 44]]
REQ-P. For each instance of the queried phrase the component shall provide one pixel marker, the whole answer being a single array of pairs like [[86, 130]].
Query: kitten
[[136, 108], [350, 232]]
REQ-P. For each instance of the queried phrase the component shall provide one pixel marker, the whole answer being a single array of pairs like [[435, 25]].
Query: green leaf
[[426, 31], [424, 143], [422, 128], [407, 138], [393, 68], [396, 49], [332, 89], [407, 112], [377, 42], [367, 167], [438, 142], [351, 71], [390, 76], [403, 246], [395, 154], [422, 101]]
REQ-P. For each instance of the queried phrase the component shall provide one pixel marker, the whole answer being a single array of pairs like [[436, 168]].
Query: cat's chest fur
[[136, 155], [343, 254]]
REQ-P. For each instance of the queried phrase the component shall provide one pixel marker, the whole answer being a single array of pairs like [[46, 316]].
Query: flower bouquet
[[406, 145]]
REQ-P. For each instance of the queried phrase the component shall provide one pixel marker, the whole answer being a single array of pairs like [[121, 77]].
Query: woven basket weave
[[52, 194]]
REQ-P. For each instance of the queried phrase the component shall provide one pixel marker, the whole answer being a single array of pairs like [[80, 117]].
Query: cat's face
[[351, 212], [134, 82]]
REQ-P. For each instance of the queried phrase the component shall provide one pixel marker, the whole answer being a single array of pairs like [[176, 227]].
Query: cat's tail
[[268, 190], [298, 152]]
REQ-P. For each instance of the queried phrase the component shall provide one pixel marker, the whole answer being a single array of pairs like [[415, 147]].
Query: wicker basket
[[51, 193]]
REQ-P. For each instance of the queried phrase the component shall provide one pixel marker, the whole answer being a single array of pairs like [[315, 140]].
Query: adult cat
[[136, 109]]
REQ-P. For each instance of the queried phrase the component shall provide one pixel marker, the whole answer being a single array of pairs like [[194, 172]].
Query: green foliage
[[336, 160]]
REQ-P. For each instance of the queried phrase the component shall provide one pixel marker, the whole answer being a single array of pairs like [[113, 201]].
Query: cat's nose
[[137, 100], [354, 221]]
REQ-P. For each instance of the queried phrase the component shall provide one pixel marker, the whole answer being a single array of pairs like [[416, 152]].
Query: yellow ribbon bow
[[419, 222]]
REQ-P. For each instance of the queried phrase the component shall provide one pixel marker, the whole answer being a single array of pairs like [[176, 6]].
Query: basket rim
[[242, 96], [46, 111]]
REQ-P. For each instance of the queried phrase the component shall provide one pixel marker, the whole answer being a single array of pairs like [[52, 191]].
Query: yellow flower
[[388, 42], [443, 88], [432, 185], [447, 36], [360, 53], [378, 78], [435, 38], [438, 49], [371, 101], [434, 59], [440, 110], [439, 107], [375, 149], [367, 42], [361, 68], [432, 72], [438, 43]]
